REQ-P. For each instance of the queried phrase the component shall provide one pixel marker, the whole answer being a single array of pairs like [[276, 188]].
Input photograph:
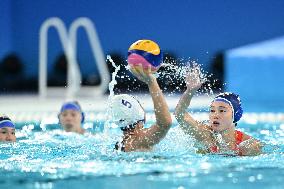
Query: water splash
[[174, 73], [112, 84], [113, 75]]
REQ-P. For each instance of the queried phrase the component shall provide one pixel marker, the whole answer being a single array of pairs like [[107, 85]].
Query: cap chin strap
[[131, 126]]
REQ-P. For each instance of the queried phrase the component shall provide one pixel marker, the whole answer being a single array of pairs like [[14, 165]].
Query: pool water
[[51, 158]]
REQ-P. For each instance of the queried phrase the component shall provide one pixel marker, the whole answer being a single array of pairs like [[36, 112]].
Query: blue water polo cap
[[6, 122], [74, 105], [234, 101]]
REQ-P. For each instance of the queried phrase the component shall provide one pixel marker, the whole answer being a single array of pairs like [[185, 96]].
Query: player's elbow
[[166, 122], [178, 115]]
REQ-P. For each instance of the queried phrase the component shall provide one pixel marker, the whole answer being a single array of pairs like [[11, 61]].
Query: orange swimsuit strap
[[239, 139]]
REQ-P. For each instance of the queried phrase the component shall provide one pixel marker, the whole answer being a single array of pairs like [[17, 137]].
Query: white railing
[[69, 44]]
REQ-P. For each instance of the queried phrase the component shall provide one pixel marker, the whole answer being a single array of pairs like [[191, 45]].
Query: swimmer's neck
[[228, 136], [81, 131], [136, 130], [78, 131]]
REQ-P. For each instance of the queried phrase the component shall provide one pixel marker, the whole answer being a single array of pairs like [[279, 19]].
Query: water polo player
[[71, 117], [220, 135], [128, 113], [7, 130]]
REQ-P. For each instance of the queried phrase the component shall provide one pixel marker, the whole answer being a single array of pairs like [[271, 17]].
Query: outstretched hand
[[143, 75], [193, 79]]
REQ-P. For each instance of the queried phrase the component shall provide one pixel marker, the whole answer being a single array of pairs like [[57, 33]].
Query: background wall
[[5, 28], [256, 73], [188, 28]]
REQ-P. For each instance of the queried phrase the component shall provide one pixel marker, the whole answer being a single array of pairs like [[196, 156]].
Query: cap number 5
[[126, 103]]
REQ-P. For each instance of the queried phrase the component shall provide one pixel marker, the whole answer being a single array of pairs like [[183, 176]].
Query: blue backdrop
[[256, 73], [189, 28]]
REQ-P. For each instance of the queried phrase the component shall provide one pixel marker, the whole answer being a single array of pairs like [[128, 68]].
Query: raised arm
[[163, 117], [181, 114], [191, 126]]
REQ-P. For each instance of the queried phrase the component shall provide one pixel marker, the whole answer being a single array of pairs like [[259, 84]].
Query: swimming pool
[[46, 157]]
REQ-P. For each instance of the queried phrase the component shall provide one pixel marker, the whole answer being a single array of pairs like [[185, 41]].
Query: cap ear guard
[[58, 116], [83, 117], [238, 115]]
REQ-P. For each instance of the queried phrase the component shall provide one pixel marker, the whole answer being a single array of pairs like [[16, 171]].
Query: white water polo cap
[[126, 111]]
